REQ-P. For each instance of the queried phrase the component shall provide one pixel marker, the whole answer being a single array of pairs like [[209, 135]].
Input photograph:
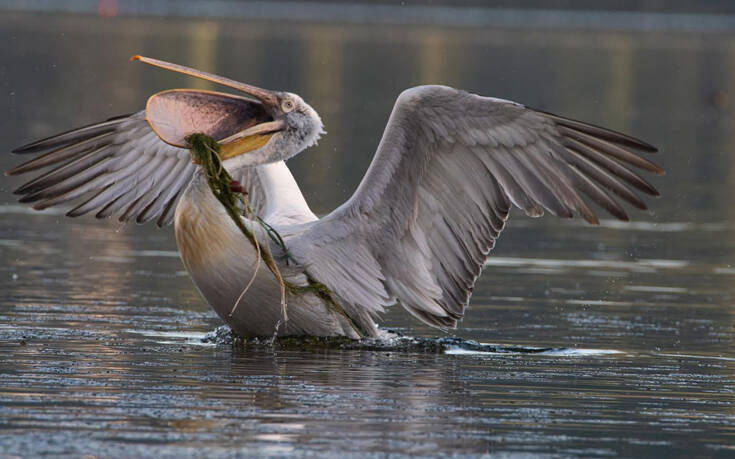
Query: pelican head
[[262, 127], [301, 128]]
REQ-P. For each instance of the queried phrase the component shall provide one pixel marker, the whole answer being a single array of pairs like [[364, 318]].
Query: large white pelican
[[416, 232]]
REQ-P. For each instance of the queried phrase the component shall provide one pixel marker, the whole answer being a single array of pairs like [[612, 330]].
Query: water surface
[[100, 327]]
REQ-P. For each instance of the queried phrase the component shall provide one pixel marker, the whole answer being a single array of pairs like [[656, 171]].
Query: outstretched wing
[[438, 192], [117, 167]]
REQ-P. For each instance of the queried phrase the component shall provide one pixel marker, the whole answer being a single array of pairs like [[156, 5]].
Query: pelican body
[[221, 263], [417, 231]]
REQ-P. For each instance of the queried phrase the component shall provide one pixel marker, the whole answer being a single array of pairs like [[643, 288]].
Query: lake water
[[100, 327]]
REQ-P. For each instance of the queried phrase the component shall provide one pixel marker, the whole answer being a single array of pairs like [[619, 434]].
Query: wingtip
[[14, 171], [647, 147], [26, 188], [27, 148], [641, 145]]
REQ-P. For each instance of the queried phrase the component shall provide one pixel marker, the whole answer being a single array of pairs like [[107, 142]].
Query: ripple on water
[[639, 265], [388, 341]]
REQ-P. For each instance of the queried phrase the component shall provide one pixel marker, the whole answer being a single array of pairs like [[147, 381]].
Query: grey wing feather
[[117, 167], [438, 192]]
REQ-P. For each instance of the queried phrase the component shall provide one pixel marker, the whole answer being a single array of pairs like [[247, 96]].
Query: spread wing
[[117, 167], [448, 169]]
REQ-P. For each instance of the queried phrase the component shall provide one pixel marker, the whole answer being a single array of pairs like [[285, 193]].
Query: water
[[101, 330]]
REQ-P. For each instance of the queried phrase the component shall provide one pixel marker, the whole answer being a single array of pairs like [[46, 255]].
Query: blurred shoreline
[[680, 17]]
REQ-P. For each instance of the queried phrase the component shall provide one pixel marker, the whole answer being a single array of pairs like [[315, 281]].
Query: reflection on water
[[99, 325]]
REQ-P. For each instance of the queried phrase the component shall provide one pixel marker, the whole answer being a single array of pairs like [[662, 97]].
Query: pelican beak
[[268, 98], [239, 124], [250, 139]]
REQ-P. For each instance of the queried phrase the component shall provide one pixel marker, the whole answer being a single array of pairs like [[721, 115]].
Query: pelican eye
[[287, 105]]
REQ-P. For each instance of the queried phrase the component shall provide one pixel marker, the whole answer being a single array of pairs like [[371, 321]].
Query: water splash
[[391, 341]]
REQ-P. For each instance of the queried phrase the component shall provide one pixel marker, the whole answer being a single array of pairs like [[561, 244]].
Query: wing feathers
[[124, 179], [160, 179], [510, 186], [172, 197], [604, 178], [73, 136], [531, 182], [611, 149], [554, 174], [61, 154], [169, 191], [597, 194], [601, 133], [611, 166], [118, 166], [156, 205], [67, 177], [437, 194], [135, 185]]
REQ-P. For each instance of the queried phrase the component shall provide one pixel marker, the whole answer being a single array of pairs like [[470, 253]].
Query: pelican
[[416, 232]]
